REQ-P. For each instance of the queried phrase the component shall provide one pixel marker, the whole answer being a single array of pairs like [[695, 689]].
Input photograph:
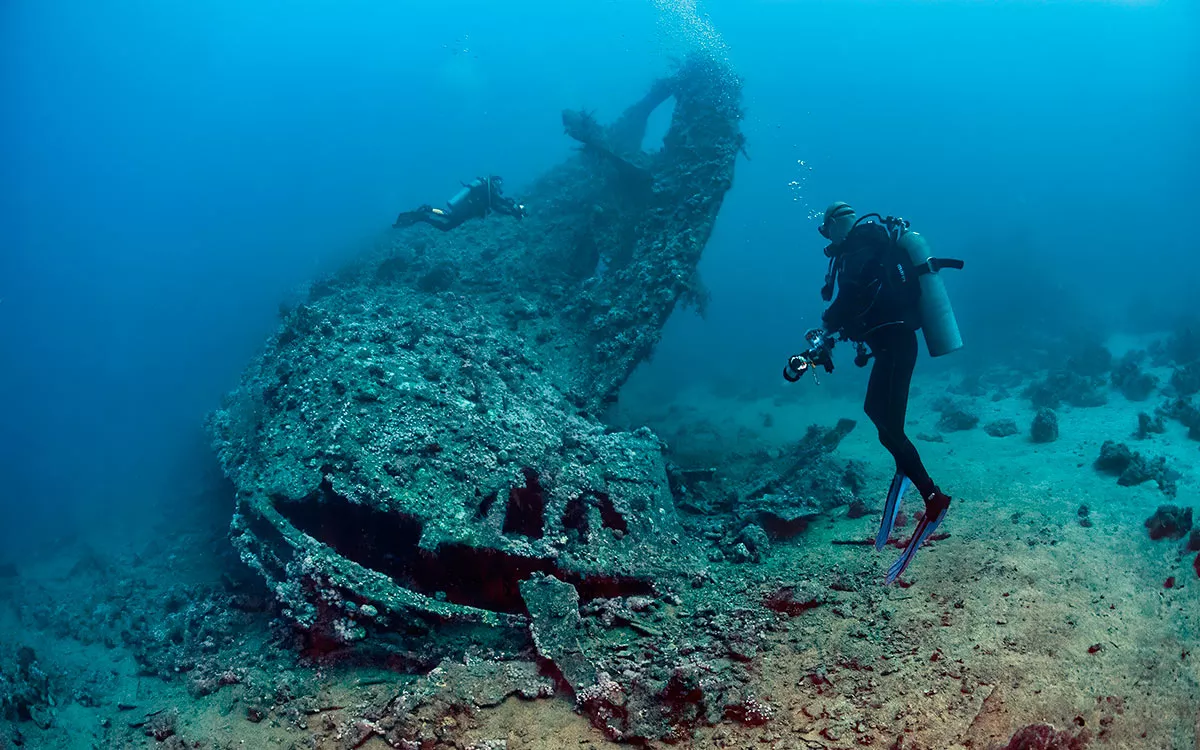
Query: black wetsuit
[[876, 304], [475, 201]]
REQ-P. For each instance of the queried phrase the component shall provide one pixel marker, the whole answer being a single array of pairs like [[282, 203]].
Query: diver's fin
[[891, 508], [924, 530]]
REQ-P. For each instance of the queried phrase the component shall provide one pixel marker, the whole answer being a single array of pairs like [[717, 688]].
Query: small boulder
[[1045, 426], [1114, 457], [755, 541], [1131, 380], [857, 509], [1148, 425], [1169, 522], [955, 419], [1001, 428], [1046, 737]]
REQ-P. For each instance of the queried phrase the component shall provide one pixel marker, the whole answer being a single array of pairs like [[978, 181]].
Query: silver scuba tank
[[938, 323], [461, 196]]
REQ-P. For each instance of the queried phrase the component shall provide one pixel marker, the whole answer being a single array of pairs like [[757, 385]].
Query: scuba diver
[[476, 200], [888, 288]]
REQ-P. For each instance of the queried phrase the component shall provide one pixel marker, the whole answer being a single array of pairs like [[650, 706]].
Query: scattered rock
[[161, 725], [741, 553], [1148, 425], [1002, 428], [1186, 413], [557, 628], [956, 419], [1169, 522], [436, 708], [1182, 347], [1143, 469], [971, 385], [1045, 426], [784, 496], [1133, 468], [755, 541], [1114, 458], [751, 712], [794, 600], [1128, 377], [1186, 379], [25, 695], [1064, 386], [857, 509]]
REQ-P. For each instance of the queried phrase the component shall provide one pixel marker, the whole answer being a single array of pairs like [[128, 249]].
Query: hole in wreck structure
[[610, 518], [485, 506], [526, 512], [387, 542], [380, 540], [658, 125], [575, 518]]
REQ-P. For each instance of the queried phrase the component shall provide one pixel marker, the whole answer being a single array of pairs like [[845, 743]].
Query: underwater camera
[[818, 353]]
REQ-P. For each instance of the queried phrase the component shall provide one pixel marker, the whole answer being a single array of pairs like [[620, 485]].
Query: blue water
[[174, 171]]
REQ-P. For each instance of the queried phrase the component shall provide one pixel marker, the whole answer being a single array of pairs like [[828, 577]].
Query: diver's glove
[[512, 208]]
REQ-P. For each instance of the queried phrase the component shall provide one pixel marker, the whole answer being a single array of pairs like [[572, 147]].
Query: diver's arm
[[856, 292], [508, 207], [836, 316]]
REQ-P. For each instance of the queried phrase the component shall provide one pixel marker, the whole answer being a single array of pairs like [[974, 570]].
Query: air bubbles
[[683, 23], [460, 46], [799, 190]]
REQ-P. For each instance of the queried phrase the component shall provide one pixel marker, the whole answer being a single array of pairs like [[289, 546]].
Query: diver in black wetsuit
[[877, 307], [476, 200]]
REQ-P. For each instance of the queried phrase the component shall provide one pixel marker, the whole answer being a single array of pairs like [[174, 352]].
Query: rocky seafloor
[[447, 533], [1059, 611]]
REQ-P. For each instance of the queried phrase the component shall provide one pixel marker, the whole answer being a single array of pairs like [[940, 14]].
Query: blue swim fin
[[891, 508], [924, 530]]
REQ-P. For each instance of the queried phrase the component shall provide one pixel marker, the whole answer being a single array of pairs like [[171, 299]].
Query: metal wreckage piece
[[422, 434]]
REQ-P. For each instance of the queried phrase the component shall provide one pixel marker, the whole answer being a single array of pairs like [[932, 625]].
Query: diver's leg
[[895, 351], [434, 217], [448, 220], [409, 218], [883, 410], [890, 406], [907, 457]]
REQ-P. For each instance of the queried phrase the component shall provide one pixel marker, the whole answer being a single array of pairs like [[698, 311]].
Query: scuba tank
[[461, 196], [937, 316]]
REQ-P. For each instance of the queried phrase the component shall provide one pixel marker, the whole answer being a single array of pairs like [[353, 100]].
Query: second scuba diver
[[477, 199], [888, 288]]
